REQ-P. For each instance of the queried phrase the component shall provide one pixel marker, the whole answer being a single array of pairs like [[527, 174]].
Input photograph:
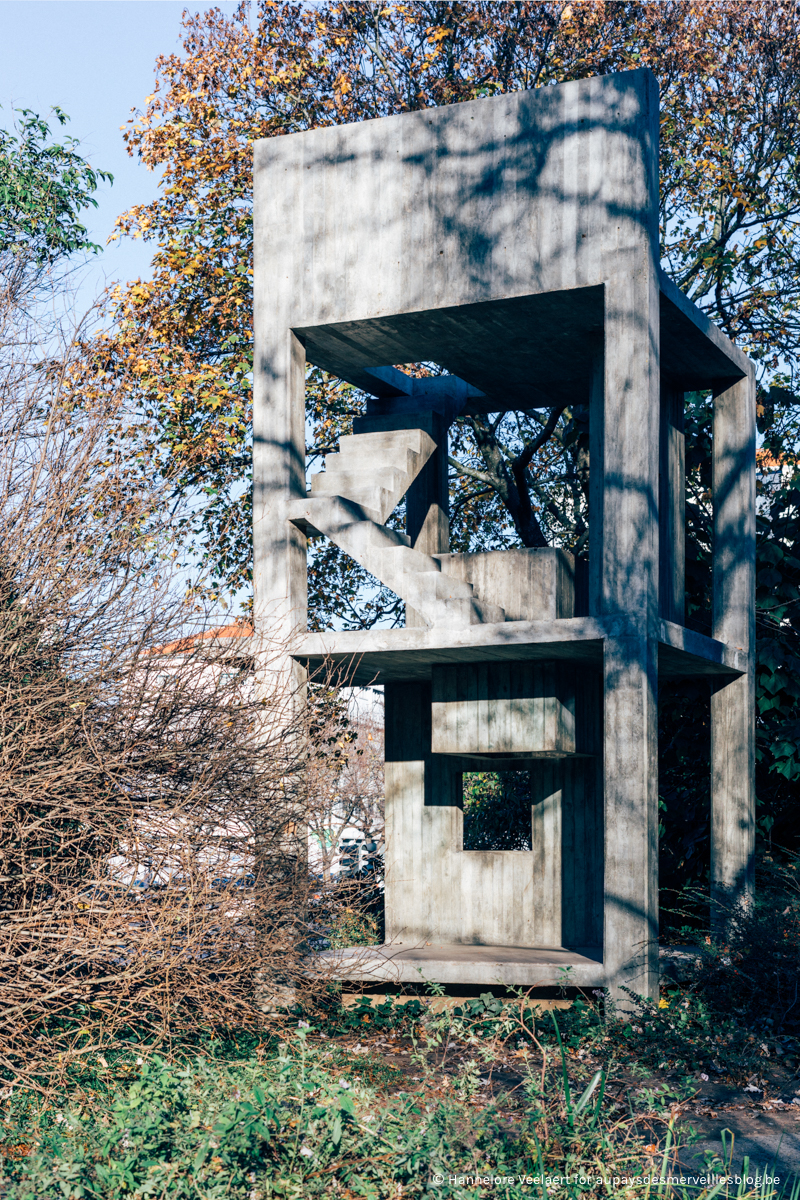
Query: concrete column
[[630, 937], [407, 708], [596, 485], [279, 478], [733, 704], [428, 498], [672, 507], [625, 581], [279, 580], [428, 505], [546, 804]]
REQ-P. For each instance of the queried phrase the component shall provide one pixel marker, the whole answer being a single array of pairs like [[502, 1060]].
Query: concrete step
[[469, 612], [363, 487], [420, 580], [337, 477], [393, 445], [440, 599], [450, 609], [375, 469], [376, 499]]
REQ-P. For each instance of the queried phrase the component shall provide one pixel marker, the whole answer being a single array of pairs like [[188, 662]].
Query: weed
[[352, 927]]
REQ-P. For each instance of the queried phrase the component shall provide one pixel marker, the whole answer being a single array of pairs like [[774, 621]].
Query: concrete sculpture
[[513, 241]]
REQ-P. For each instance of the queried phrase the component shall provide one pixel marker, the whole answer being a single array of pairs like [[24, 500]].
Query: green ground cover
[[495, 1095], [388, 1099]]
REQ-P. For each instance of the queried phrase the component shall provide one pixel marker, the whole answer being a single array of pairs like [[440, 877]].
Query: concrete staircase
[[351, 499], [375, 470]]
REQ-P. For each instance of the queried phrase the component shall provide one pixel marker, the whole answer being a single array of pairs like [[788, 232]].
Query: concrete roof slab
[[522, 352]]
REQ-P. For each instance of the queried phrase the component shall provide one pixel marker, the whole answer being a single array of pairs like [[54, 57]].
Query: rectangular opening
[[497, 810]]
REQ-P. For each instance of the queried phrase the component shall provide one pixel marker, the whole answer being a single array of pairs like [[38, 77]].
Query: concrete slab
[[395, 655], [770, 1142], [488, 345], [517, 966]]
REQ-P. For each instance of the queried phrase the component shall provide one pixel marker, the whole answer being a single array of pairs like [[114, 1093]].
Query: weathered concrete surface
[[384, 239], [733, 704], [535, 585], [504, 708], [435, 890], [520, 966], [386, 655]]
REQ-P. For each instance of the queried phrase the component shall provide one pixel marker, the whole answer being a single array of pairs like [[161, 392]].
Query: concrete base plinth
[[510, 966]]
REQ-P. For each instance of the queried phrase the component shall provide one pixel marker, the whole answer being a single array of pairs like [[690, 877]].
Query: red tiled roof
[[239, 629]]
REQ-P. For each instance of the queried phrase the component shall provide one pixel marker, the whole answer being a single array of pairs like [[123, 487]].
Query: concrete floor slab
[[516, 966], [408, 654], [770, 1143]]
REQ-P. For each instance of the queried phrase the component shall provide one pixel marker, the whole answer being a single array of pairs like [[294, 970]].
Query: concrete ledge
[[683, 652], [518, 966], [407, 655]]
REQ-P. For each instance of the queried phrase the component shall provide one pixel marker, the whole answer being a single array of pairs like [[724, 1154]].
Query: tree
[[730, 87], [497, 810], [344, 772], [43, 187]]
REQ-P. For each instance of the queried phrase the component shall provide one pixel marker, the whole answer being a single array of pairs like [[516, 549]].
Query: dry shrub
[[344, 788], [152, 868]]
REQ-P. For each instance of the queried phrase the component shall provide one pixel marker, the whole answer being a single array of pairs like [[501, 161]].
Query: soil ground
[[758, 1124]]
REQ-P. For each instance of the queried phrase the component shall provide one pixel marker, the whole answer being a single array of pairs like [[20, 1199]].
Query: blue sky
[[95, 59]]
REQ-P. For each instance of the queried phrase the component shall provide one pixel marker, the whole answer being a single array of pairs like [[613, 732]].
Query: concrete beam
[[693, 346], [685, 654], [504, 708]]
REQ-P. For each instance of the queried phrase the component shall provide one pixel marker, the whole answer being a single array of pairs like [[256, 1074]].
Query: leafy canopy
[[730, 86], [43, 187]]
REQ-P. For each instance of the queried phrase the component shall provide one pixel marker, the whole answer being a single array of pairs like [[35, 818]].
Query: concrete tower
[[513, 241]]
